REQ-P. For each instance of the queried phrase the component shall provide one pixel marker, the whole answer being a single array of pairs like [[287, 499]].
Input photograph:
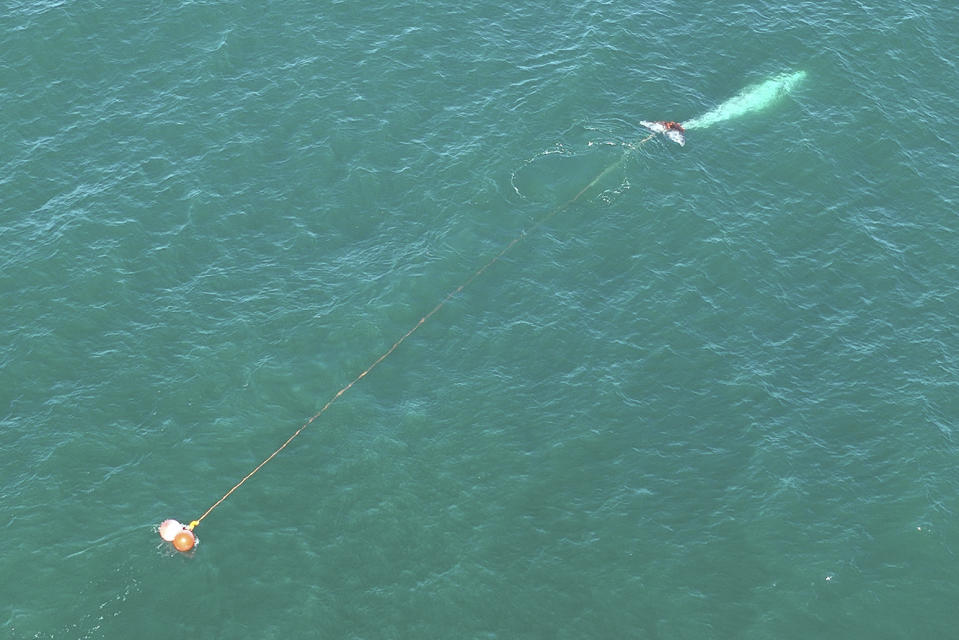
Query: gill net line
[[489, 263]]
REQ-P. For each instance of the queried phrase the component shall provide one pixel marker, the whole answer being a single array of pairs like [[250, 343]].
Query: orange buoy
[[184, 541]]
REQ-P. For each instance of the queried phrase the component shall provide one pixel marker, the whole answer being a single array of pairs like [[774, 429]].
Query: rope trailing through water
[[413, 329]]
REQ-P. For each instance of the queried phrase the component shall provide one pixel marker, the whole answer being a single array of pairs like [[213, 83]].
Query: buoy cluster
[[179, 534]]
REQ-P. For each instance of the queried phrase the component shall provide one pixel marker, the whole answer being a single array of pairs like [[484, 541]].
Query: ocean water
[[714, 396]]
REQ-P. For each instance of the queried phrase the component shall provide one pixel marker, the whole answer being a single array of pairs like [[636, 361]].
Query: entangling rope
[[412, 330]]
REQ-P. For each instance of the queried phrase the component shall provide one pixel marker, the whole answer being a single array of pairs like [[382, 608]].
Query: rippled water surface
[[711, 396]]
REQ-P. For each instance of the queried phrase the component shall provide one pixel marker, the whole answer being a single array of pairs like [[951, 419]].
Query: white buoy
[[169, 528]]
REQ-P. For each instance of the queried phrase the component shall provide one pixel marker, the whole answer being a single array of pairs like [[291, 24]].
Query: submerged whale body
[[754, 98]]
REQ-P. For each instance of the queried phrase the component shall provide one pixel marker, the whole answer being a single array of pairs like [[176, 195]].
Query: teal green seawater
[[714, 397]]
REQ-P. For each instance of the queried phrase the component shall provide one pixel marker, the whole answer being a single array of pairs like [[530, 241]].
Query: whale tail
[[672, 130]]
